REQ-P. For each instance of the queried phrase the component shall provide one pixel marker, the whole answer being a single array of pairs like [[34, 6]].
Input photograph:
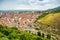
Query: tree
[[39, 33], [43, 35], [48, 36]]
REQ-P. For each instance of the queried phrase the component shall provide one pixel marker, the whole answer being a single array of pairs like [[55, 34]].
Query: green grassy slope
[[50, 23]]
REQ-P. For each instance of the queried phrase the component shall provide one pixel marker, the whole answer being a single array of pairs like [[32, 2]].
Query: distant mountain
[[57, 9]]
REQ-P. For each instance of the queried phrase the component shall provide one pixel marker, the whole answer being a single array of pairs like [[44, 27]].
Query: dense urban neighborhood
[[22, 20]]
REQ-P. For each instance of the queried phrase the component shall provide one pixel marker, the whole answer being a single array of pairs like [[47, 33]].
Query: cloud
[[28, 4]]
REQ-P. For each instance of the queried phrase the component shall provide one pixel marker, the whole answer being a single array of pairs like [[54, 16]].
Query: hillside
[[50, 23]]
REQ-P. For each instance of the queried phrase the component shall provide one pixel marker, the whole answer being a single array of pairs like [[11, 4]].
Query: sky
[[28, 4]]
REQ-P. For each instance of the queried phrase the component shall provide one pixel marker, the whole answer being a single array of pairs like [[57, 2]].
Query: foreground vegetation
[[7, 33]]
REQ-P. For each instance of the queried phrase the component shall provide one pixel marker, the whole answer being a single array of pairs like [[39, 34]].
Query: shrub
[[48, 36], [38, 33], [8, 33], [43, 35]]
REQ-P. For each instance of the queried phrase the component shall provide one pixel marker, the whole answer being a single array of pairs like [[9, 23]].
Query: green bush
[[38, 33], [8, 33], [48, 36], [43, 35]]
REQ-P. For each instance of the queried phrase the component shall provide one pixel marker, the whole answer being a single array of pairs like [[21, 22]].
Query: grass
[[50, 23]]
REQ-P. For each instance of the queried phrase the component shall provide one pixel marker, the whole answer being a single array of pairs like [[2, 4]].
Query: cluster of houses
[[20, 20]]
